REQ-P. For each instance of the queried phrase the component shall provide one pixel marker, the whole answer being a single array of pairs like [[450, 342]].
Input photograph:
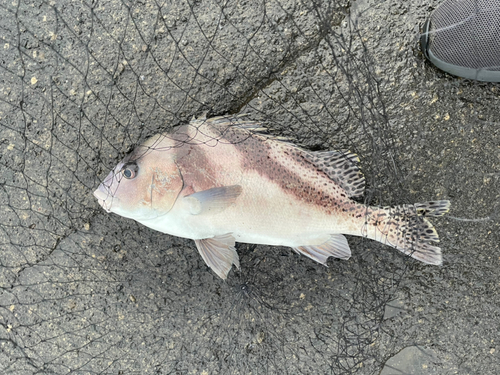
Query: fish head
[[145, 184]]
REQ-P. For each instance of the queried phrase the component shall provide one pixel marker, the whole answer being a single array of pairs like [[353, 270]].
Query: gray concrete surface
[[85, 292]]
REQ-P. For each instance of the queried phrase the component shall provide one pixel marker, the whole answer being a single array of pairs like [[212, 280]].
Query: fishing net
[[86, 292]]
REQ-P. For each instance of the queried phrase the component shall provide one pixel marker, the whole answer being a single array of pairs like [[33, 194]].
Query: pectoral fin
[[336, 247], [212, 200], [219, 254]]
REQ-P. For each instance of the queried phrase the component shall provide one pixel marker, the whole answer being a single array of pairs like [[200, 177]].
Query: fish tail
[[407, 228]]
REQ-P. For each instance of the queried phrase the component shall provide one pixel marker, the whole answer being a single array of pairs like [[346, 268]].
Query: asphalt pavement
[[86, 292]]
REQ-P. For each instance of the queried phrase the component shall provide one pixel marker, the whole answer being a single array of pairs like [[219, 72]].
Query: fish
[[225, 179]]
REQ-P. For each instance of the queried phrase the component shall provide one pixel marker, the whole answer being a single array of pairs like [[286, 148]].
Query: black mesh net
[[86, 292]]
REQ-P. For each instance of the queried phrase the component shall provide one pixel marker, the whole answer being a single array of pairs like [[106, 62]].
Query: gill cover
[[166, 184], [163, 179]]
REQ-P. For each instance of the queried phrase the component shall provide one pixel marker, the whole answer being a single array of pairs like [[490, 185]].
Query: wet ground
[[82, 291]]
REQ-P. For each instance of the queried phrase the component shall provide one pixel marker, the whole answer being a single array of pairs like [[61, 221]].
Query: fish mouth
[[103, 192], [104, 197]]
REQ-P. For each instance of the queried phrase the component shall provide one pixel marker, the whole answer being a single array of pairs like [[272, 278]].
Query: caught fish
[[221, 180]]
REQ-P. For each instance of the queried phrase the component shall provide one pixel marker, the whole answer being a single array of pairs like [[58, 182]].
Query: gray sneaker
[[462, 37]]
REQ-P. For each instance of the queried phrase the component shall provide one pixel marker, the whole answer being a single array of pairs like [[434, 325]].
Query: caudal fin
[[407, 229]]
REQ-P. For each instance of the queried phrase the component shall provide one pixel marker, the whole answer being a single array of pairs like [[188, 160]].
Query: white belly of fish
[[261, 215], [241, 230]]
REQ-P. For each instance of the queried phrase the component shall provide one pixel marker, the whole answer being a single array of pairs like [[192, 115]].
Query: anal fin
[[336, 247], [219, 254]]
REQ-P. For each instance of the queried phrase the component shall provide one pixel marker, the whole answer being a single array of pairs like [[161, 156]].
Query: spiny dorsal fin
[[341, 167], [222, 123]]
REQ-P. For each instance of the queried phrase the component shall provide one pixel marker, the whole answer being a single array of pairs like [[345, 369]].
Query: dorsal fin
[[227, 126], [341, 167]]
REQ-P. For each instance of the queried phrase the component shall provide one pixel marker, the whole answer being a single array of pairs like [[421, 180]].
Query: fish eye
[[129, 171]]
